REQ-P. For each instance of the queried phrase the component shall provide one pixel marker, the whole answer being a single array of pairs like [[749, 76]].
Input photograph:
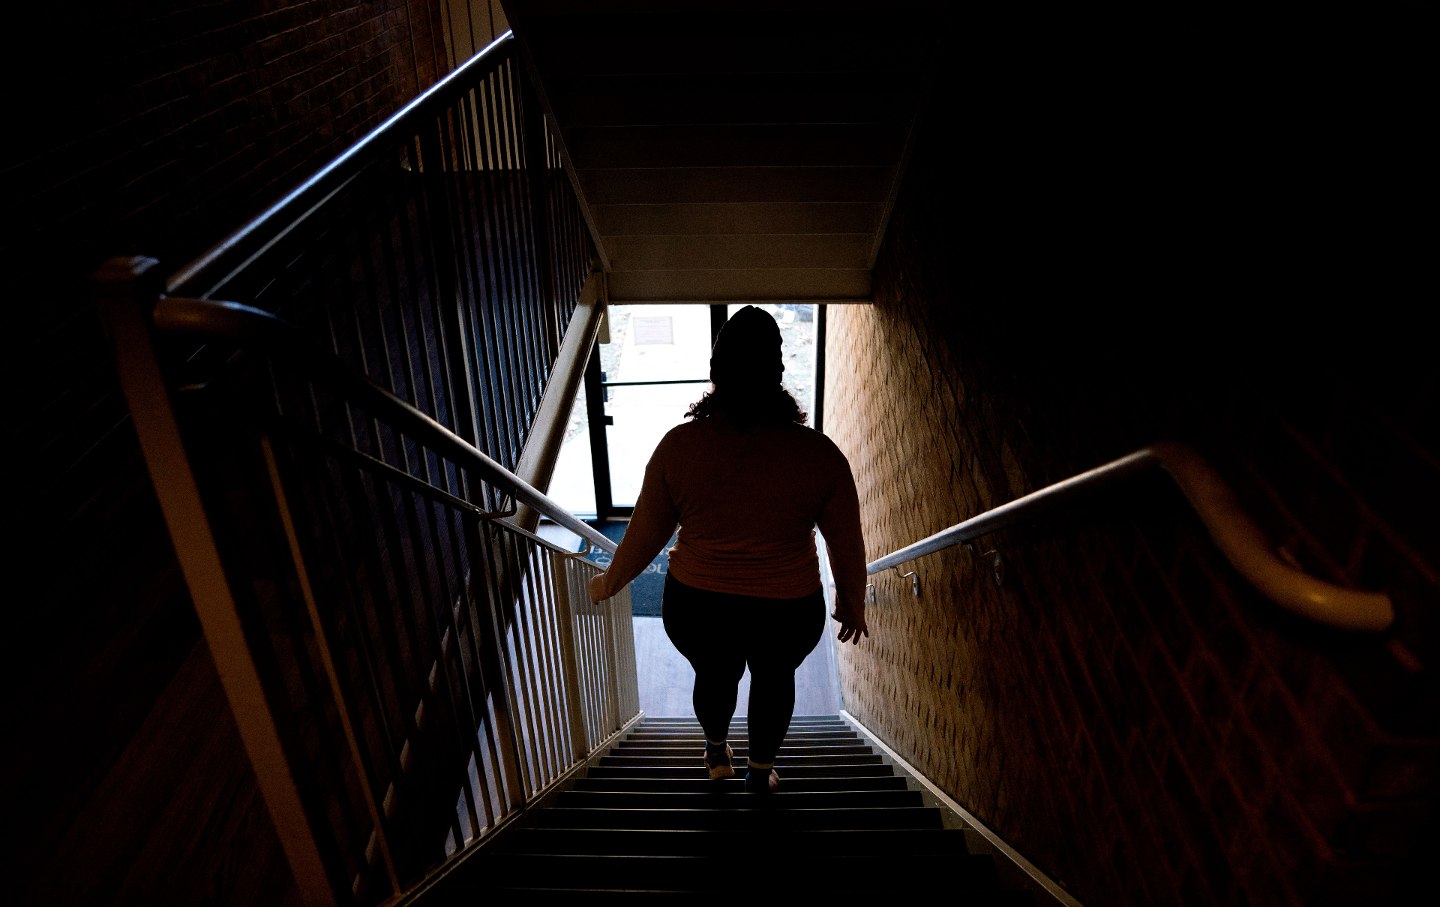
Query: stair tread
[[866, 754], [692, 897], [691, 759], [719, 871], [692, 770], [629, 895], [738, 817], [716, 840], [739, 799], [695, 782]]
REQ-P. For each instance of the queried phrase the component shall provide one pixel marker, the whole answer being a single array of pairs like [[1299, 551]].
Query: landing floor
[[666, 677]]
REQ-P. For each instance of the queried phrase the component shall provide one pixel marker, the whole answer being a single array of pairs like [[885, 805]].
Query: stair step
[[654, 727], [741, 733], [692, 782], [652, 721], [730, 798], [806, 733], [744, 870], [821, 888], [808, 741], [691, 841], [693, 769], [793, 760], [740, 752], [742, 817]]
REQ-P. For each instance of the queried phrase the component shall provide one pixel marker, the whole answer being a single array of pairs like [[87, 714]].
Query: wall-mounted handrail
[[233, 321], [1237, 535]]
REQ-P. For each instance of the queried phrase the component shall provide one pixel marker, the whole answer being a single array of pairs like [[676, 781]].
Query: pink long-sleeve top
[[747, 502]]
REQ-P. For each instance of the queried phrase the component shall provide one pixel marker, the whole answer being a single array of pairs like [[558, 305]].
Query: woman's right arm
[[652, 523]]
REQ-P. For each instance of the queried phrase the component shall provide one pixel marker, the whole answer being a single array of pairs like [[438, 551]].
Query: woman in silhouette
[[748, 484]]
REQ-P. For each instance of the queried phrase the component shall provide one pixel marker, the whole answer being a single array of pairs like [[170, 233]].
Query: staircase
[[643, 821]]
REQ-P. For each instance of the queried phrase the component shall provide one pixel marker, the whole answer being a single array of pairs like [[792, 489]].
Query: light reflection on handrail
[[1241, 540]]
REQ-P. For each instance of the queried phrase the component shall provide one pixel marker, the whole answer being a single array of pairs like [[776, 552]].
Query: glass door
[[651, 363], [656, 363]]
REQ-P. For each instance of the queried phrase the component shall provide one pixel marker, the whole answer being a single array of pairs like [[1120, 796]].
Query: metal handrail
[[500, 614], [236, 251], [1241, 540], [233, 321], [424, 288], [440, 252]]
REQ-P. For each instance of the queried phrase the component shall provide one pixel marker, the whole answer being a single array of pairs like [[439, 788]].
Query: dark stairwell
[[1113, 227]]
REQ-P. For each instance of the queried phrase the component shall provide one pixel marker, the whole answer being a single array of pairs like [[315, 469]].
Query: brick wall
[[1122, 708], [155, 129]]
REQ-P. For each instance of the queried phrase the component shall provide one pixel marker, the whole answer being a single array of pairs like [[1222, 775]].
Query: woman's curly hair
[[745, 369], [772, 405]]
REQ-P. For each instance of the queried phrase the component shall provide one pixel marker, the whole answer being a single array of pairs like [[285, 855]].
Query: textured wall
[[1123, 709], [144, 128]]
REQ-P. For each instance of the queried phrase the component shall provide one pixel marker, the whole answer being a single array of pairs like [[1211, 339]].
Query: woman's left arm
[[839, 523]]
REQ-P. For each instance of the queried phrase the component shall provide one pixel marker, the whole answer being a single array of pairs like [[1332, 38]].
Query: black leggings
[[720, 633]]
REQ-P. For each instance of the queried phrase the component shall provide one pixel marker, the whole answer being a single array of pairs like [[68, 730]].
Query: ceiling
[[733, 151]]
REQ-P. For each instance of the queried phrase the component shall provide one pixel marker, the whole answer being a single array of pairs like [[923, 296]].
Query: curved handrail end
[[1239, 538]]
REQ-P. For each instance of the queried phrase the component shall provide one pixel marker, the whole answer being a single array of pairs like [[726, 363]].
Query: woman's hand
[[852, 625], [596, 588]]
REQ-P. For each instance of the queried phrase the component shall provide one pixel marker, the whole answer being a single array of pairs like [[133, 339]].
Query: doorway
[[650, 363]]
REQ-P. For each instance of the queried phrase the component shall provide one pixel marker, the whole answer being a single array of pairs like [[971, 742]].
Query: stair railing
[[333, 404], [443, 254], [1237, 535], [408, 669]]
